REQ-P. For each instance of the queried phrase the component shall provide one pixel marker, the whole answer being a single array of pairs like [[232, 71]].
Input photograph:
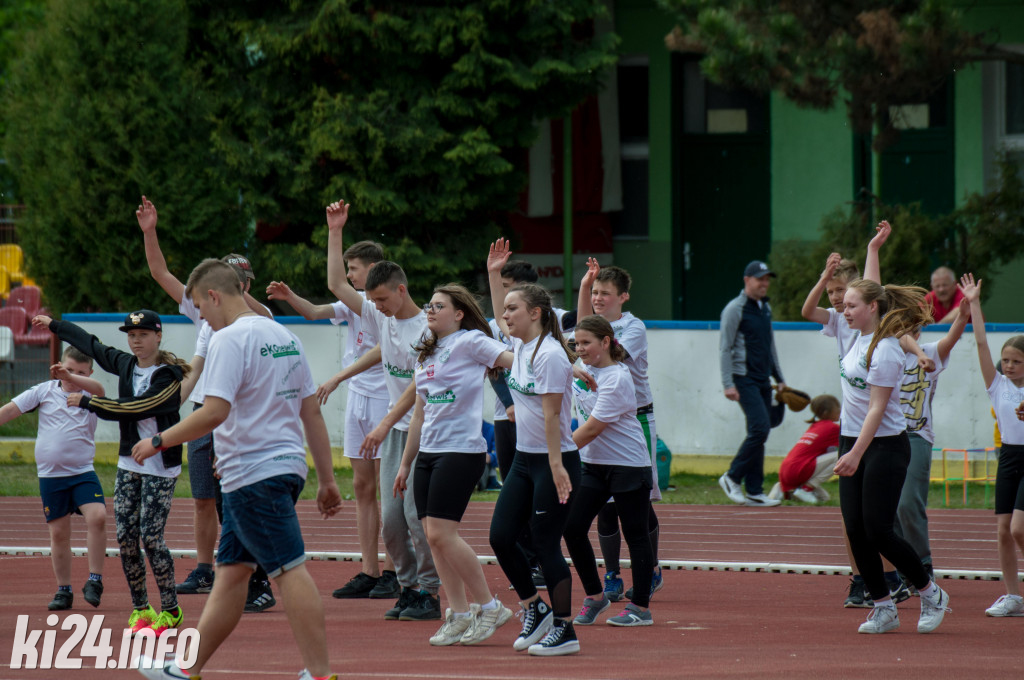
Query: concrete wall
[[693, 416]]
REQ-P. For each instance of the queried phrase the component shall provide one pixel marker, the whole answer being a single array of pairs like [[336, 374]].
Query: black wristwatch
[[158, 442]]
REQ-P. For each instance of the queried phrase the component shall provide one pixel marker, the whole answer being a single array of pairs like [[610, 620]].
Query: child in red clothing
[[810, 462]]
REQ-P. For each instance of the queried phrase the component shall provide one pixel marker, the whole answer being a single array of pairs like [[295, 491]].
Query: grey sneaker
[[759, 500], [632, 616], [933, 610], [485, 622], [454, 627], [881, 620], [731, 489], [590, 610], [1007, 605]]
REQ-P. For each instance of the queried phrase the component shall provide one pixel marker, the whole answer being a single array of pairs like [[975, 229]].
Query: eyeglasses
[[433, 307]]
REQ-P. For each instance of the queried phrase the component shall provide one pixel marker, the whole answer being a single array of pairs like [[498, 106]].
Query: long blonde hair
[[901, 309]]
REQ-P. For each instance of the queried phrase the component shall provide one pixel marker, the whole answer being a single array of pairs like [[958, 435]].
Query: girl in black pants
[[615, 465], [875, 450], [546, 467]]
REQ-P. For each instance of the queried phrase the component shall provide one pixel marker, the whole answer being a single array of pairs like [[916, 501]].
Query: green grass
[[19, 479]]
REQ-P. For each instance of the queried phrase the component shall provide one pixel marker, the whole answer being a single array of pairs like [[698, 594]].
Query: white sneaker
[[454, 627], [881, 620], [306, 675], [804, 496], [168, 671], [820, 494], [933, 610], [485, 622], [776, 493], [759, 501], [1007, 605], [733, 490]]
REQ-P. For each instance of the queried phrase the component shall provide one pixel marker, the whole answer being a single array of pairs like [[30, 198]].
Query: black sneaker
[[537, 620], [260, 597], [900, 593], [93, 591], [537, 574], [560, 640], [387, 586], [198, 581], [858, 597], [61, 601], [357, 588], [426, 607], [407, 597]]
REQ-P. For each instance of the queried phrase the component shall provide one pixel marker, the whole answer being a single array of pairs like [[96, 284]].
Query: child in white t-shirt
[[65, 448]]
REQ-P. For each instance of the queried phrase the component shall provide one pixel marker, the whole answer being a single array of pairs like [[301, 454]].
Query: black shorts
[[64, 495], [1010, 479], [615, 479], [200, 466], [444, 482]]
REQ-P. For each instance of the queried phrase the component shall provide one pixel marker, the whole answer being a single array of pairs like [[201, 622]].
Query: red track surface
[[709, 624]]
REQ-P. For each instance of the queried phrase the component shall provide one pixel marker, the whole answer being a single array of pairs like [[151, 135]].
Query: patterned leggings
[[141, 505]]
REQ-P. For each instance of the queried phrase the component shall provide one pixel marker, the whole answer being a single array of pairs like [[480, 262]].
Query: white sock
[[932, 591], [463, 615], [493, 604]]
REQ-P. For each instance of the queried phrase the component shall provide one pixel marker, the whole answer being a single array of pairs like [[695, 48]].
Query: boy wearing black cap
[[748, 359]]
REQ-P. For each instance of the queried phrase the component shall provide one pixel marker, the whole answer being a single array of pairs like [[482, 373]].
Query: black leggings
[[505, 447], [869, 499], [528, 497], [633, 511], [610, 541]]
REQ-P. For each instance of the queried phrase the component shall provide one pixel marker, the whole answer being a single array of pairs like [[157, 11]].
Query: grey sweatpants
[[911, 514], [401, 529]]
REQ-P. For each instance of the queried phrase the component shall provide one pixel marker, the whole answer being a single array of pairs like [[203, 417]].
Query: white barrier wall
[[692, 414]]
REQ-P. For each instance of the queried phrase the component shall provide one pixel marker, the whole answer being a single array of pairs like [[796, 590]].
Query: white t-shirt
[[836, 327], [499, 409], [451, 386], [622, 441], [632, 335], [66, 439], [886, 370], [397, 338], [369, 383], [548, 373], [1005, 398], [154, 465], [917, 391], [259, 367]]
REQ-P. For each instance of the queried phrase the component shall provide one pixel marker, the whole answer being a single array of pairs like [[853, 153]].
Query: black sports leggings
[[528, 497], [869, 499], [505, 447], [633, 510]]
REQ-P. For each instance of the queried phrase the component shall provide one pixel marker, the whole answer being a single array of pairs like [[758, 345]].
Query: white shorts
[[362, 414]]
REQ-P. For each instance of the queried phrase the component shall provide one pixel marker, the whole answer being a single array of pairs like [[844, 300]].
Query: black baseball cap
[[144, 319], [758, 269], [240, 264]]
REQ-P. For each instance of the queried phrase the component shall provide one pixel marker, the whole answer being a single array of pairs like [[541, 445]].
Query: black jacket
[[161, 401]]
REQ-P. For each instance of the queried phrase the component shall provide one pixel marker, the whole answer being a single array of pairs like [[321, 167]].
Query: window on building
[[1003, 95], [634, 139]]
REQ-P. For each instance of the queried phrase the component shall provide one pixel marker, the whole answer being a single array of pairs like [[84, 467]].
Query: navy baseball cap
[[758, 269], [144, 319]]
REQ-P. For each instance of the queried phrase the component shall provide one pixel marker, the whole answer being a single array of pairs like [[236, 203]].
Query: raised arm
[[872, 271], [952, 336], [584, 305], [279, 290], [146, 214], [972, 293], [811, 311], [337, 216], [93, 387], [497, 256]]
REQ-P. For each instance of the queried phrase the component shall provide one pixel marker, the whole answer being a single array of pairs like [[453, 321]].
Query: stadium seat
[[15, 318], [12, 259], [27, 297]]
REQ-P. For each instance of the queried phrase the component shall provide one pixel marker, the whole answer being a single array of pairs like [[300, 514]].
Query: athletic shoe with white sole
[[858, 597], [805, 496], [632, 616], [198, 581], [485, 623], [656, 584], [559, 641], [537, 621], [1007, 605], [613, 586], [306, 675], [590, 610], [776, 492], [168, 671], [900, 594], [933, 610], [260, 597], [733, 490], [454, 627], [881, 620], [759, 500]]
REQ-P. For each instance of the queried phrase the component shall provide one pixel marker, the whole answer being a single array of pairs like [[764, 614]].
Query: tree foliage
[[873, 53], [100, 107], [418, 113], [16, 17], [980, 236]]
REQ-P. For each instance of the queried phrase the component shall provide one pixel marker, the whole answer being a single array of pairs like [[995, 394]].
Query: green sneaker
[[166, 620], [141, 618]]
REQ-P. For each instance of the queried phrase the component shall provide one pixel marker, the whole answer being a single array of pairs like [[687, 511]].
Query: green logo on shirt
[[278, 351], [398, 371], [524, 389], [445, 397]]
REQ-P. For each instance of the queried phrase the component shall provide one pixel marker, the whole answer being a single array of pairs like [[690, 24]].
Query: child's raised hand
[[278, 290], [882, 233], [337, 214], [831, 265], [58, 372], [41, 321], [970, 289], [146, 214], [498, 255], [592, 269]]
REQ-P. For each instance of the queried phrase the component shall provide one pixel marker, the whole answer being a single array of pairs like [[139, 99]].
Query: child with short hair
[[65, 448], [809, 464]]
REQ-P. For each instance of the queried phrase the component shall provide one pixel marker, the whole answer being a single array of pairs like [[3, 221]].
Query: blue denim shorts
[[261, 527]]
